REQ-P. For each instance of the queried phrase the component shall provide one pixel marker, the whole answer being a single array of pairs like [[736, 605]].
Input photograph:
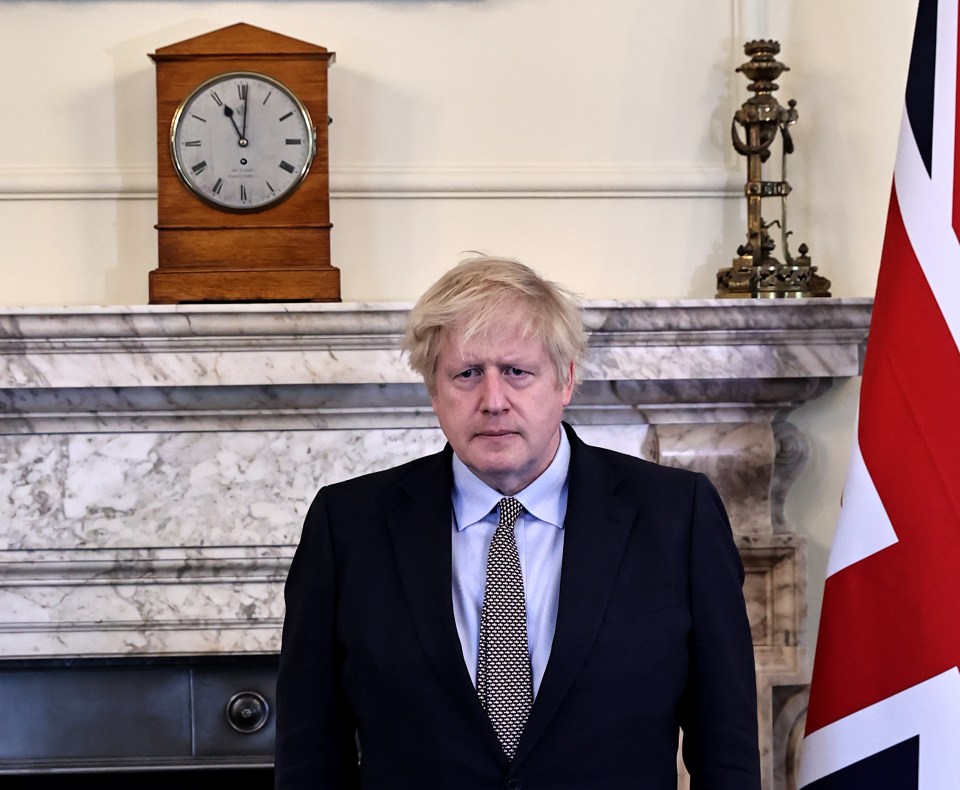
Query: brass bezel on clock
[[301, 171]]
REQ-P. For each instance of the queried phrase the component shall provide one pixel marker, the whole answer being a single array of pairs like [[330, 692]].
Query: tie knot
[[510, 510]]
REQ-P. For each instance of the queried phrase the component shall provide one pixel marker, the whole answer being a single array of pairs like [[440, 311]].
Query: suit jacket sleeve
[[315, 744], [720, 743]]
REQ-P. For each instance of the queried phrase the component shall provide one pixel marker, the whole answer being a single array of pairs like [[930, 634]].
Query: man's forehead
[[501, 342]]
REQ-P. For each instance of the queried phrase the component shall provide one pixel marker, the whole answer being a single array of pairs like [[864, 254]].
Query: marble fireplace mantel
[[156, 462]]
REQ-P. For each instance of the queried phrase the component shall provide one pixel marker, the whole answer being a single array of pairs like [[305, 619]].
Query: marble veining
[[129, 489], [358, 343]]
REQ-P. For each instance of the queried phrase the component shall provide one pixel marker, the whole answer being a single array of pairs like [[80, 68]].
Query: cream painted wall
[[590, 139]]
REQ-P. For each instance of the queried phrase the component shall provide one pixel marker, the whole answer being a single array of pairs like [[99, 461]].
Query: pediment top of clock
[[241, 39]]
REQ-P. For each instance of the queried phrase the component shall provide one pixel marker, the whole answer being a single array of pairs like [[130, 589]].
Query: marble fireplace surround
[[156, 462]]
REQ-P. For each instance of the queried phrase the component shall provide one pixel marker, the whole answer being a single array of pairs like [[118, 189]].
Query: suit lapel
[[420, 530], [596, 529]]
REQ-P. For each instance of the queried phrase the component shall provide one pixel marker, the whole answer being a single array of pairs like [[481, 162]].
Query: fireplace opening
[[170, 722], [193, 779]]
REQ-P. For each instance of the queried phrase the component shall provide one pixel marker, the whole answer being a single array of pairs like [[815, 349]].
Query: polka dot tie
[[504, 677]]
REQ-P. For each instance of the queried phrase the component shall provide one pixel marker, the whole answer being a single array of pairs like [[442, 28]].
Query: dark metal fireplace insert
[[174, 722]]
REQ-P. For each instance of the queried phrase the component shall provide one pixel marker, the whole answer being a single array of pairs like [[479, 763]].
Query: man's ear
[[567, 387]]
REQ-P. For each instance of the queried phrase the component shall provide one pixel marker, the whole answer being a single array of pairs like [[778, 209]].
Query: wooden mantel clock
[[243, 195]]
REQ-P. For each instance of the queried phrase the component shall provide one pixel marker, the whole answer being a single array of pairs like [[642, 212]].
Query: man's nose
[[493, 396]]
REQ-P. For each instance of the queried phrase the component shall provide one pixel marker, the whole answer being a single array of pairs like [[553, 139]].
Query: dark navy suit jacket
[[652, 636]]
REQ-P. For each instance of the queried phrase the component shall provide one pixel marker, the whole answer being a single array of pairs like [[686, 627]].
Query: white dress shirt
[[539, 534]]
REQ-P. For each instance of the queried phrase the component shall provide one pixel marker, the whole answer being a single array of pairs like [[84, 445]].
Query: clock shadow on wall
[[243, 193]]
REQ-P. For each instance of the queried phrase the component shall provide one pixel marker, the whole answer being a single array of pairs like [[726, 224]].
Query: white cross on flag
[[885, 696]]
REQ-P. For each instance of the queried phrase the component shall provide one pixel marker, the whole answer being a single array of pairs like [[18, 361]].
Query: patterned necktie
[[504, 677]]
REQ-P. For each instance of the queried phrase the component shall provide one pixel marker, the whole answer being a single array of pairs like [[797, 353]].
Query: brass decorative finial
[[756, 272]]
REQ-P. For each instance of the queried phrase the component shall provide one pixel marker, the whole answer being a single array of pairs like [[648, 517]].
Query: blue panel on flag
[[896, 768], [923, 60]]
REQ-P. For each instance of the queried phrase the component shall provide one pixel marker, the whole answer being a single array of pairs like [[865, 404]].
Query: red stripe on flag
[[893, 619]]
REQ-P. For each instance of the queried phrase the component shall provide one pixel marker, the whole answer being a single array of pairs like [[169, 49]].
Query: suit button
[[513, 784]]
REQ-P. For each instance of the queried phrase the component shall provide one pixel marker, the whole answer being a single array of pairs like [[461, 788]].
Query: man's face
[[500, 406]]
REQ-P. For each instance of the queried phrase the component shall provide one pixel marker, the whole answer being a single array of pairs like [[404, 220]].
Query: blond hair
[[473, 299]]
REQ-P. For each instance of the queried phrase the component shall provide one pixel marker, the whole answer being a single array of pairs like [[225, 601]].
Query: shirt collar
[[545, 498]]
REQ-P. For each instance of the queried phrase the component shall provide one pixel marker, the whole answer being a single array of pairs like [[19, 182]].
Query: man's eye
[[468, 374], [515, 371]]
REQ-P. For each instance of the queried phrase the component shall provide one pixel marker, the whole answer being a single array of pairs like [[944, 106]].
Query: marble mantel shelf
[[232, 345], [122, 331]]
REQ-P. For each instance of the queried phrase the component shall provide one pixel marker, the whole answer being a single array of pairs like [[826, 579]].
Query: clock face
[[242, 141]]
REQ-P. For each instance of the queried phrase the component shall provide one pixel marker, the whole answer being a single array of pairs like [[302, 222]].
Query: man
[[520, 610]]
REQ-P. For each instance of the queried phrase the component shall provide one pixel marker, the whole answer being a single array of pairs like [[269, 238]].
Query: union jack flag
[[885, 695]]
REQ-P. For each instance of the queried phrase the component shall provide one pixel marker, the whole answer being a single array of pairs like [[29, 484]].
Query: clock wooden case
[[221, 250]]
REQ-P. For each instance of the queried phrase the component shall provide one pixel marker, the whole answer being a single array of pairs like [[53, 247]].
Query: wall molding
[[450, 181]]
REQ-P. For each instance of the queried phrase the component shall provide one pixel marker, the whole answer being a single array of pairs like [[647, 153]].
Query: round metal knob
[[247, 711]]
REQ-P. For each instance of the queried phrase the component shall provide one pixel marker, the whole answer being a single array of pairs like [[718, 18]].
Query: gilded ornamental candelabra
[[755, 272]]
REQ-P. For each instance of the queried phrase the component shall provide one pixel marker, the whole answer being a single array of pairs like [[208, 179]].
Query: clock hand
[[229, 113]]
